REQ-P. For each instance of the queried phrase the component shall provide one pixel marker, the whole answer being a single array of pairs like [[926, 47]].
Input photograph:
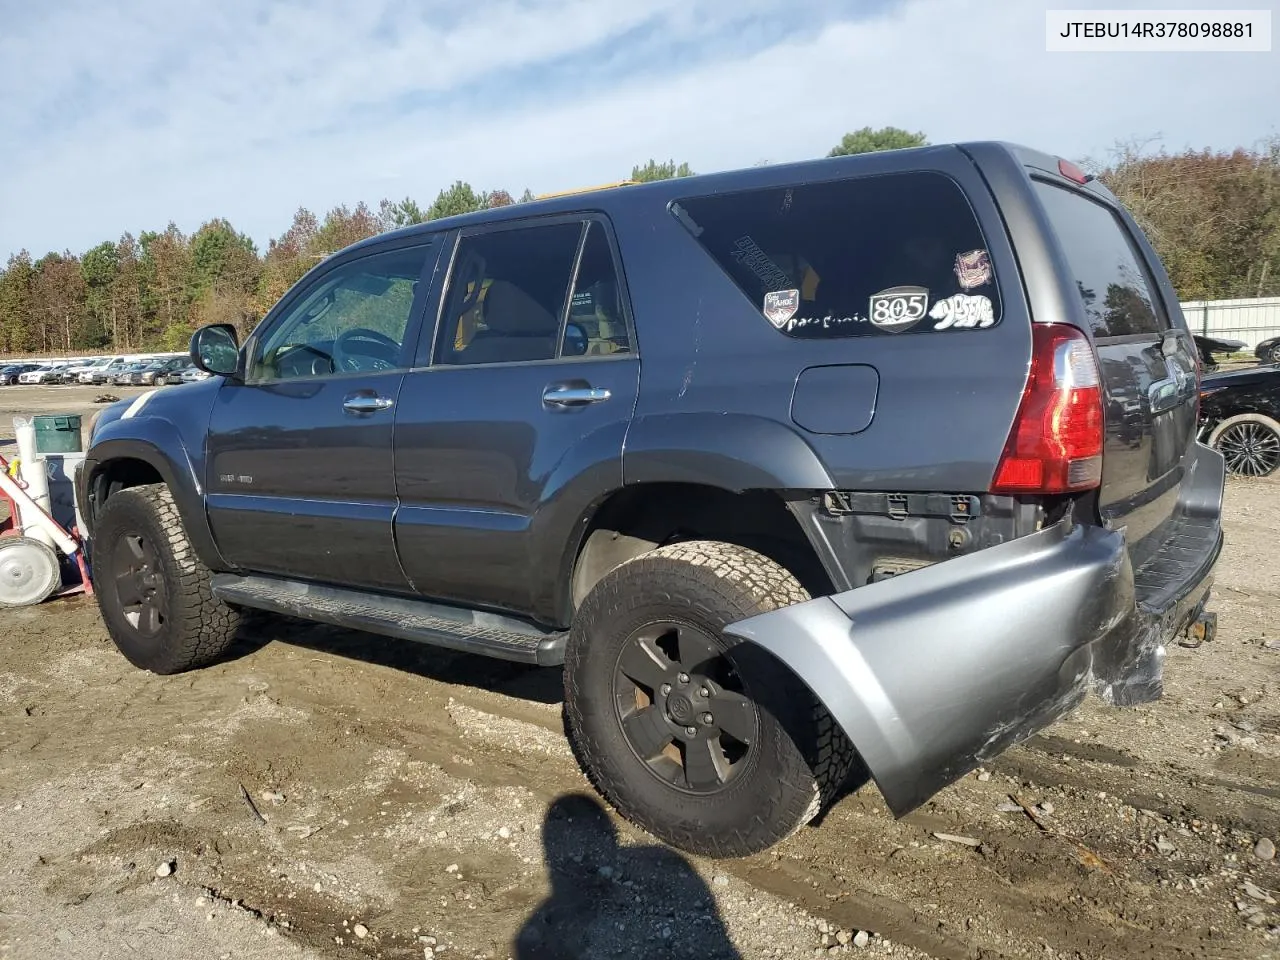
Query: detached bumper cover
[[935, 672]]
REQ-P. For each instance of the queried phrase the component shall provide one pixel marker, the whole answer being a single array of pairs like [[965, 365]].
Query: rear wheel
[[706, 742], [1249, 443], [152, 589]]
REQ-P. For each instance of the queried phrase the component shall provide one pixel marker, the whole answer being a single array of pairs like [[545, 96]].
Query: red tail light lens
[[1055, 445]]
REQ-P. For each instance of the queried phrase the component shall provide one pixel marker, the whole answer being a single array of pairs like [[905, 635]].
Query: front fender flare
[[156, 442]]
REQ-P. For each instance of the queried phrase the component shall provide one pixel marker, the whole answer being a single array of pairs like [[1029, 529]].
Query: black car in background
[[157, 372], [131, 374], [9, 374], [1240, 416], [1210, 347], [175, 374], [1268, 351]]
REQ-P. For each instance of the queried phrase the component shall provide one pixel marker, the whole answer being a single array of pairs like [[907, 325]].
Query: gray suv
[[886, 458]]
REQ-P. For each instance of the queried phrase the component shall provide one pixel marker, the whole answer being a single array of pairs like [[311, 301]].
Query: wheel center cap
[[680, 709]]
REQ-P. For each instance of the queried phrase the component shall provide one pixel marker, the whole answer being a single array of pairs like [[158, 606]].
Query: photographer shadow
[[612, 901]]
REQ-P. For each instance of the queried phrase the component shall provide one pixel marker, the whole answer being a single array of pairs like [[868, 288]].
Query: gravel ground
[[327, 794]]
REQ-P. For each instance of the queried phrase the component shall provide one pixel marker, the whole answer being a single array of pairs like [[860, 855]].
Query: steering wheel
[[349, 360]]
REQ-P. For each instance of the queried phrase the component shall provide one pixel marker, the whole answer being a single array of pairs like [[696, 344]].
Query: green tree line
[[1214, 218]]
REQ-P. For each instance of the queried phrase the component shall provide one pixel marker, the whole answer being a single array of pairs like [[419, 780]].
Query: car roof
[[772, 175]]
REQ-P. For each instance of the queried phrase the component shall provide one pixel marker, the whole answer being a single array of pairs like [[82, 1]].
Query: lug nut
[[666, 688], [691, 731], [683, 678], [708, 719], [704, 692]]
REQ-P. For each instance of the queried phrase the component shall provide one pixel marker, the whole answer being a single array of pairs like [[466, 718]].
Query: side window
[[597, 325], [866, 256], [507, 293], [1108, 272], [352, 320]]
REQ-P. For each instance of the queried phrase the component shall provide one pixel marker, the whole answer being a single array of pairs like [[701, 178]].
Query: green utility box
[[58, 434]]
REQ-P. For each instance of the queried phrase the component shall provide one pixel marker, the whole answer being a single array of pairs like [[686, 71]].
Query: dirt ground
[[328, 794]]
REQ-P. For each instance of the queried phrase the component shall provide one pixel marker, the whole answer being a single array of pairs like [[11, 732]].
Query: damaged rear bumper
[[935, 672]]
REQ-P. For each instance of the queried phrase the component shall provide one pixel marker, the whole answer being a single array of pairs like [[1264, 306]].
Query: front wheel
[[705, 741], [152, 589], [1249, 443]]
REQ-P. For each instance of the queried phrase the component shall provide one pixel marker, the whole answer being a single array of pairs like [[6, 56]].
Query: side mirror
[[215, 349], [575, 340]]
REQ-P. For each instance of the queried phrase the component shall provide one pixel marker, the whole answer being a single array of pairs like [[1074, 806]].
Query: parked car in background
[[130, 375], [1268, 351], [156, 371], [41, 374], [91, 370], [72, 372], [177, 374], [106, 373], [9, 375], [193, 374], [1209, 347], [1240, 417]]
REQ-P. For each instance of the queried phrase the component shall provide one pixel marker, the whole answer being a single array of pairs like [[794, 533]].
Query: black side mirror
[[216, 349], [575, 340]]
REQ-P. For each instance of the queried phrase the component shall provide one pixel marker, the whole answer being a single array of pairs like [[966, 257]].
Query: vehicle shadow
[[526, 682], [522, 681], [612, 901]]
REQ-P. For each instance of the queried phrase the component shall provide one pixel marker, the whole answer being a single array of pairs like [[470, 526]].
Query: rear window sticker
[[824, 323], [973, 269], [748, 253], [899, 308], [780, 306], [962, 310]]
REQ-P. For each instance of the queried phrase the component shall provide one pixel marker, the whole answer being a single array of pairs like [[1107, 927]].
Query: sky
[[123, 116]]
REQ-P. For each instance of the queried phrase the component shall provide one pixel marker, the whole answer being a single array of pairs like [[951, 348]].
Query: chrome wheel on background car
[[1249, 443]]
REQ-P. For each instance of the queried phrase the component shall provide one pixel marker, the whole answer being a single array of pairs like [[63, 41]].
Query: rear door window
[[1108, 272], [869, 256]]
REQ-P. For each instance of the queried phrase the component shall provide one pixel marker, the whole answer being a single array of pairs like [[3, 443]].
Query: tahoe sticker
[[780, 306]]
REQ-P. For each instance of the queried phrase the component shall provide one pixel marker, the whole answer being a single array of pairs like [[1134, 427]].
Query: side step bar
[[456, 628]]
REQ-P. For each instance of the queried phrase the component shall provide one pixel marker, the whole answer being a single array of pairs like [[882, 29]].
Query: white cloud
[[246, 111]]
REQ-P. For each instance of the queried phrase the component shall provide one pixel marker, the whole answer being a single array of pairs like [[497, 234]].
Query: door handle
[[574, 396], [367, 404]]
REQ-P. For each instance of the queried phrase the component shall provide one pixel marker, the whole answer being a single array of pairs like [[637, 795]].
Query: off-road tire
[[802, 757], [197, 627]]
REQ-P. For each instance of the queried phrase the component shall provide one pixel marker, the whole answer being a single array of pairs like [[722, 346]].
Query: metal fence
[[1249, 320]]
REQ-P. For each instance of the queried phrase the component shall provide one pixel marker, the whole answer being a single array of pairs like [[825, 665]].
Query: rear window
[[1107, 269], [869, 256]]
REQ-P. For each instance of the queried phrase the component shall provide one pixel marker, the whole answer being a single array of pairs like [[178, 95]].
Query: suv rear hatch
[[1123, 299]]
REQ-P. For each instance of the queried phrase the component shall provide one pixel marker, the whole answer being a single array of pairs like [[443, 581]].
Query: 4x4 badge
[[899, 308], [780, 306]]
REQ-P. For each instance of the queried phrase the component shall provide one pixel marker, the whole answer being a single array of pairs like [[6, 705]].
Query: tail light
[[1055, 445]]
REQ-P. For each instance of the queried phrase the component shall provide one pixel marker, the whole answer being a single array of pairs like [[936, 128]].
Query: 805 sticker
[[899, 308]]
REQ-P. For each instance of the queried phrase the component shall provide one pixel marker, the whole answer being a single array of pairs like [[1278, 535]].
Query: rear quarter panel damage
[[937, 671]]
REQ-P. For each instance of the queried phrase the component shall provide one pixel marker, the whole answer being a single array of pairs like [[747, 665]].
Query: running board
[[455, 628]]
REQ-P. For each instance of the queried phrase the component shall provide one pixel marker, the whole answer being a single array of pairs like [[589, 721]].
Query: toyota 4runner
[[888, 458]]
